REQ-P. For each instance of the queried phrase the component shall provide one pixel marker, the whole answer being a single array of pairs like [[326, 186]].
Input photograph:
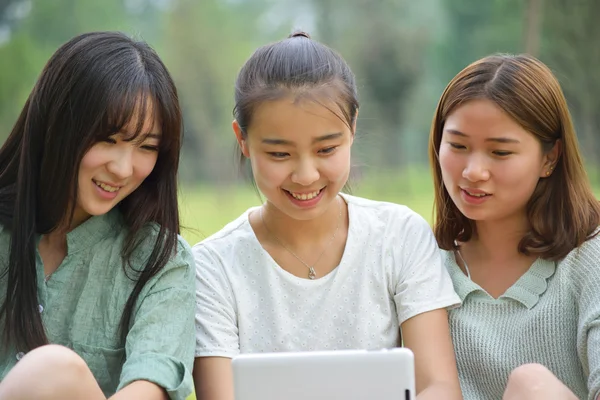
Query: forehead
[[483, 118], [297, 118]]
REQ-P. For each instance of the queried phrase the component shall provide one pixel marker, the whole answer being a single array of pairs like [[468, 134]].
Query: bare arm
[[140, 390], [428, 336], [213, 378]]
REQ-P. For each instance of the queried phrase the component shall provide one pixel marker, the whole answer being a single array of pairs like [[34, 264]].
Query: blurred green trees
[[403, 53]]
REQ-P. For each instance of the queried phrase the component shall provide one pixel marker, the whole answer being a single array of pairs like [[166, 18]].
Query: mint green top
[[550, 316], [83, 300]]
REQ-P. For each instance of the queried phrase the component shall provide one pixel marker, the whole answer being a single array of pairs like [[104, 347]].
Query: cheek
[[91, 160], [144, 165], [522, 175], [450, 164], [337, 167], [267, 173]]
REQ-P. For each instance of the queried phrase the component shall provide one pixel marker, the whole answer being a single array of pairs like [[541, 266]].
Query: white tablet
[[387, 374]]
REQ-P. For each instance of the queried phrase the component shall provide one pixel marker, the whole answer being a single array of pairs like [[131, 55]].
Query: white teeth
[[476, 195], [305, 196], [106, 187]]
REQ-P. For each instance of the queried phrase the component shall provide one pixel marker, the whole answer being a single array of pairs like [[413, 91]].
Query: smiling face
[[490, 165], [300, 155], [111, 170]]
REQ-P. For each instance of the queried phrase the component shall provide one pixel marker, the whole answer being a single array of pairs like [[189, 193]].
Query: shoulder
[[392, 228], [229, 241], [448, 258], [146, 242], [177, 274], [183, 257], [582, 262], [393, 216], [589, 248]]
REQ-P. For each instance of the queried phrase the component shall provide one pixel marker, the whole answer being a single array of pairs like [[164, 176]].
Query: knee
[[521, 382], [534, 381], [47, 372], [54, 358], [527, 374], [54, 368]]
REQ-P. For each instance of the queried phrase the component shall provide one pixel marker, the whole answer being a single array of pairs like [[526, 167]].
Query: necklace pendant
[[311, 273]]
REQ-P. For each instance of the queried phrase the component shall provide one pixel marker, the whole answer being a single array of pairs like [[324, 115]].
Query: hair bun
[[299, 34]]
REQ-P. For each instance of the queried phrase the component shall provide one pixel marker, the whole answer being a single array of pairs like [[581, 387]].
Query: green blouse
[[82, 302]]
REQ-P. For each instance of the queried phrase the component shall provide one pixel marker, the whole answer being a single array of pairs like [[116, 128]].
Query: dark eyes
[[146, 147], [328, 150], [499, 153], [150, 148], [280, 155], [277, 154]]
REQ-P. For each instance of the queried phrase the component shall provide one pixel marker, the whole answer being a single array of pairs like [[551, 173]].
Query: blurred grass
[[206, 209]]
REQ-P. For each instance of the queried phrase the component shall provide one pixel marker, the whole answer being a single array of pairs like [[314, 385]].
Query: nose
[[305, 173], [121, 164], [476, 170]]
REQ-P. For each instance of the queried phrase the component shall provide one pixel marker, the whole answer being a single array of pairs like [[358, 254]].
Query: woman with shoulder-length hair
[[518, 222], [96, 287]]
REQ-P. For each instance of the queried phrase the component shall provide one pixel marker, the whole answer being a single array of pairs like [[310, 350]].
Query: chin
[[480, 216], [475, 215], [97, 211]]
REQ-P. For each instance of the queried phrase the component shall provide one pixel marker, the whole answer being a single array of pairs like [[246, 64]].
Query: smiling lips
[[305, 196], [475, 192], [106, 187]]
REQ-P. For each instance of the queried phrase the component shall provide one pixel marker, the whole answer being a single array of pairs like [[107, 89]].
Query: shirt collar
[[93, 230], [527, 290]]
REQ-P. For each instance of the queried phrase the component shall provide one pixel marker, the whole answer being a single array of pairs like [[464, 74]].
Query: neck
[[295, 232], [58, 236], [57, 239], [79, 217], [499, 239]]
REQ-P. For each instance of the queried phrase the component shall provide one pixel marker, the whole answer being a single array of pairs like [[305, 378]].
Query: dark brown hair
[[298, 66], [90, 89], [562, 212]]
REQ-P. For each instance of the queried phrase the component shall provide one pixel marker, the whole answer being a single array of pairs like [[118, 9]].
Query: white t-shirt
[[391, 270]]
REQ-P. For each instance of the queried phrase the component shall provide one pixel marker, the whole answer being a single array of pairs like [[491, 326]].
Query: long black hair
[[90, 89]]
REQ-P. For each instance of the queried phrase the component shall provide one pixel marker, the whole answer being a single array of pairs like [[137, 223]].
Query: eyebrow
[[494, 139], [324, 138]]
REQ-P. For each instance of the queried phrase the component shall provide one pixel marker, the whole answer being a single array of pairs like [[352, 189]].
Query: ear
[[551, 159], [239, 135]]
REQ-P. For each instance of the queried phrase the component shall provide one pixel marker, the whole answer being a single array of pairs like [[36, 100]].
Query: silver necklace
[[311, 270], [464, 262]]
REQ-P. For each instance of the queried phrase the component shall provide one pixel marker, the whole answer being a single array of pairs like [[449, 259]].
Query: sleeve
[[421, 282], [586, 271], [160, 342], [217, 332], [593, 349]]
